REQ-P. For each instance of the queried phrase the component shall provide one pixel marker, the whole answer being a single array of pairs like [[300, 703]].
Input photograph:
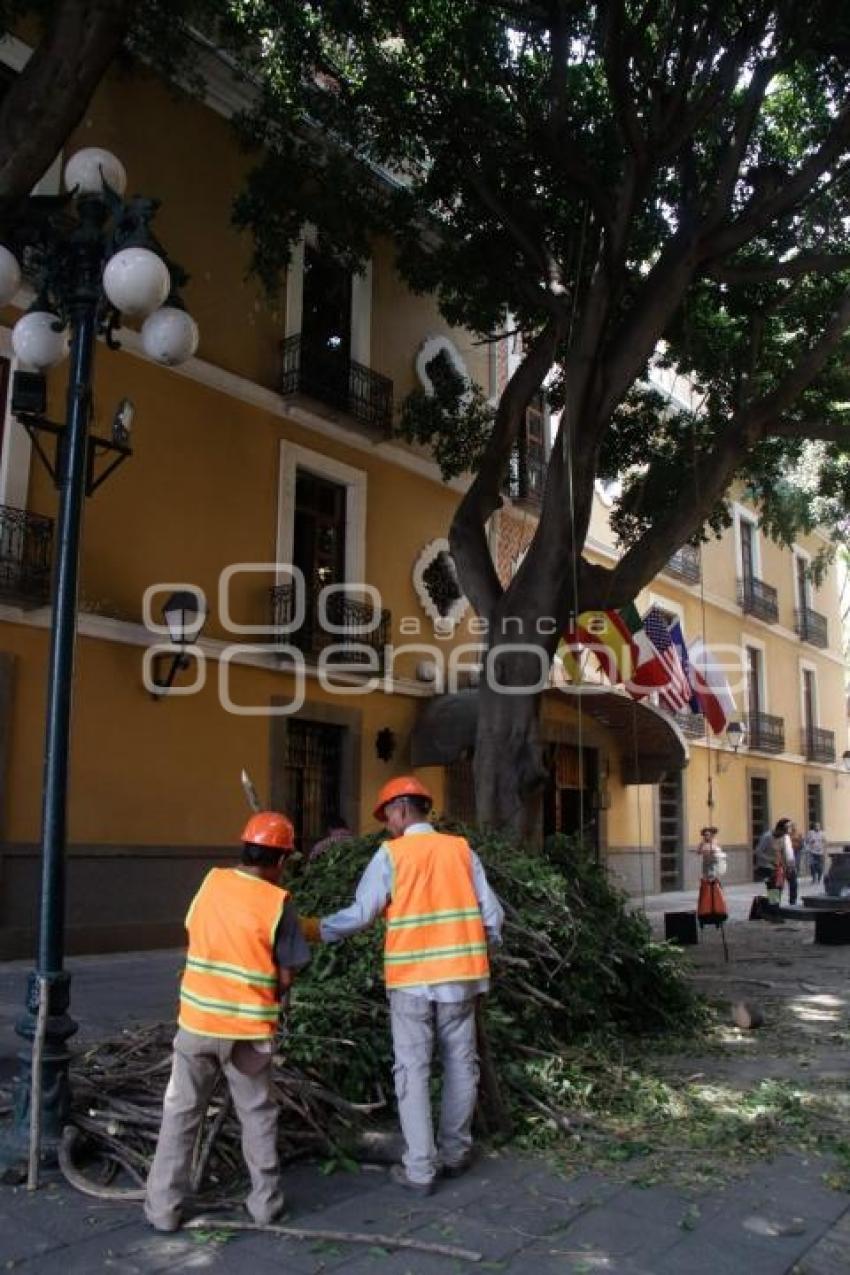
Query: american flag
[[676, 695]]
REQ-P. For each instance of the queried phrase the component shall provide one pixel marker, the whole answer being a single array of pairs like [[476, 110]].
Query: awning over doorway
[[648, 742]]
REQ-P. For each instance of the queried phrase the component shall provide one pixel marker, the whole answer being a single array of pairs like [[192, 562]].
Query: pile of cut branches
[[118, 1086], [577, 968], [577, 971]]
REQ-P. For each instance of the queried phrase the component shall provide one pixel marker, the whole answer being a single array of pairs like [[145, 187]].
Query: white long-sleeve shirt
[[373, 893]]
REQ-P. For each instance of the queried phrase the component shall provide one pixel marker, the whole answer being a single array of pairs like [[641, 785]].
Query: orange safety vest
[[435, 933], [230, 984]]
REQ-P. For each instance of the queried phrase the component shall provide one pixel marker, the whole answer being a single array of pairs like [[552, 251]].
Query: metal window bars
[[352, 627], [333, 378], [26, 543]]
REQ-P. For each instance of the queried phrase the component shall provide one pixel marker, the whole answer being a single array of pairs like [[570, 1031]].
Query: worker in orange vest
[[441, 917], [245, 944]]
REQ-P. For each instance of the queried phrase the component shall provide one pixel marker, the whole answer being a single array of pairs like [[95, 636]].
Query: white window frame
[[807, 666], [758, 645], [741, 514], [294, 457], [361, 300], [669, 606], [801, 603], [16, 454]]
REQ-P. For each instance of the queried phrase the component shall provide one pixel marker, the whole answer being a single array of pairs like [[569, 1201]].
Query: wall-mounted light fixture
[[735, 735], [385, 744], [185, 620]]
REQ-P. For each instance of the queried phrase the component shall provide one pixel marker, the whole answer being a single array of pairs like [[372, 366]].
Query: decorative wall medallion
[[437, 586], [428, 350]]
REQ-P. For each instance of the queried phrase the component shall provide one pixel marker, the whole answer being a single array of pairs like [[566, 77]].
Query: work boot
[[167, 1223], [398, 1175], [459, 1167]]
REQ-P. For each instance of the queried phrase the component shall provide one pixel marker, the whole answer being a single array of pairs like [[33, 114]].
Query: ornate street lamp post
[[94, 260]]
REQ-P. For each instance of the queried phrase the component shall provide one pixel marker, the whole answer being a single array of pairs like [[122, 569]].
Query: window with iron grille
[[460, 790], [759, 809], [527, 471], [313, 778]]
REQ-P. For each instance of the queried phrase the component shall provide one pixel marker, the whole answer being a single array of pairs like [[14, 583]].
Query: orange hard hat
[[270, 829], [403, 786]]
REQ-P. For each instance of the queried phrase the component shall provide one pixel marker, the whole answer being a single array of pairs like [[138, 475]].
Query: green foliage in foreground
[[577, 969]]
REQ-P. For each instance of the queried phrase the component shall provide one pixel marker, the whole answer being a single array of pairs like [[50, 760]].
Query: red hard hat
[[270, 829], [403, 786]]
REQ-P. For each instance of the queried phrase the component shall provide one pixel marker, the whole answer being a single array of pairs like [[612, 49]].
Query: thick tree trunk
[[50, 96], [508, 768]]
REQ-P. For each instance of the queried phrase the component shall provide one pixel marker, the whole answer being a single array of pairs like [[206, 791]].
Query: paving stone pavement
[[522, 1216]]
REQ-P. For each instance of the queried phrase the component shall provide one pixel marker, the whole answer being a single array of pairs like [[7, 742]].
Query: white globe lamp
[[170, 335], [88, 169], [10, 275], [36, 342], [136, 281]]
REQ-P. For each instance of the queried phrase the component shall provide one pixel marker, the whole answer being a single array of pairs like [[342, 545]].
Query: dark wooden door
[[670, 831]]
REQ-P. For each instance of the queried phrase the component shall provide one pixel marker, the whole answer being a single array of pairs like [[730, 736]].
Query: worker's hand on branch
[[311, 928]]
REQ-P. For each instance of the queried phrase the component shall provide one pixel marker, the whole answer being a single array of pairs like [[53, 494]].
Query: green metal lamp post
[[94, 260]]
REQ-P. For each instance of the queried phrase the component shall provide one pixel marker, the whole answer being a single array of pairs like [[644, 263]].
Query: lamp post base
[[55, 1085]]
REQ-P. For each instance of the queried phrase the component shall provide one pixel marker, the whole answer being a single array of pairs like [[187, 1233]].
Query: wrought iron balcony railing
[[353, 628], [26, 542], [685, 564], [765, 734], [758, 599], [526, 475], [690, 724], [811, 627], [338, 381], [818, 744]]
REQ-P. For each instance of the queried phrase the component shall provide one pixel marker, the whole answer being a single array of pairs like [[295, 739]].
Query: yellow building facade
[[273, 446]]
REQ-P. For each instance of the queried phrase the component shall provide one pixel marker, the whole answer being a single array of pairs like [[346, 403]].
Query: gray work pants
[[414, 1020], [197, 1062]]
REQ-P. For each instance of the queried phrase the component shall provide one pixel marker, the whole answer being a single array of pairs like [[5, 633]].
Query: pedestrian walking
[[712, 855], [787, 856], [815, 850], [442, 917], [774, 864], [245, 945], [797, 846]]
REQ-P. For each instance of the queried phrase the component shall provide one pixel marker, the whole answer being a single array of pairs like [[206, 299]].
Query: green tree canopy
[[614, 174]]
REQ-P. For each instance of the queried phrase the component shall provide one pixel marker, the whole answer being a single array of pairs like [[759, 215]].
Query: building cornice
[[106, 628]]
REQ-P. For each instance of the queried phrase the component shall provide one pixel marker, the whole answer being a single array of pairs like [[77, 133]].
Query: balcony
[[692, 725], [758, 599], [526, 474], [685, 565], [352, 627], [26, 541], [765, 734], [817, 744], [811, 627], [339, 382]]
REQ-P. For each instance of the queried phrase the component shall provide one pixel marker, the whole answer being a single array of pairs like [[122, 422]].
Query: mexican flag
[[648, 668]]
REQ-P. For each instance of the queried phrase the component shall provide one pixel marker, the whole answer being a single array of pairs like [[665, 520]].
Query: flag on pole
[[678, 639], [676, 694], [610, 640], [649, 672], [711, 687], [572, 656]]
